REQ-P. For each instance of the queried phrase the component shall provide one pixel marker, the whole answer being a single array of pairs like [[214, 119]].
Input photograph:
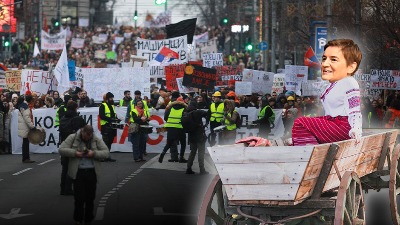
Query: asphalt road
[[127, 192]]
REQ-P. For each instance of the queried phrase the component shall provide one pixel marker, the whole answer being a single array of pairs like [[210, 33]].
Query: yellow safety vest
[[57, 120], [175, 118], [145, 106], [229, 125], [137, 113], [107, 113], [217, 113]]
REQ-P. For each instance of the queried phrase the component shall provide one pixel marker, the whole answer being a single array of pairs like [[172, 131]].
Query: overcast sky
[[124, 10]]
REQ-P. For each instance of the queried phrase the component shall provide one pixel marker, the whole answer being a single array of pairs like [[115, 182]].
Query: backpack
[[238, 121], [68, 127], [187, 122]]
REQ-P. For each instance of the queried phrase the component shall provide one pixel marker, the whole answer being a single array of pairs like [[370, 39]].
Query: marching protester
[[69, 124], [126, 99], [140, 116], [25, 124], [266, 118], [173, 117], [216, 114], [108, 116], [228, 135], [61, 110], [58, 101], [84, 100], [341, 99], [84, 150], [197, 139]]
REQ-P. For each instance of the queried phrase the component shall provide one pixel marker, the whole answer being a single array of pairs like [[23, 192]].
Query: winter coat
[[25, 123], [71, 145]]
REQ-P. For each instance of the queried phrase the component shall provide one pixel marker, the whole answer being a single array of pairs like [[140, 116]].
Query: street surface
[[127, 192]]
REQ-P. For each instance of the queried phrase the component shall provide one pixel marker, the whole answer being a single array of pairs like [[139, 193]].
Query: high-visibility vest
[[262, 114], [121, 102], [175, 118], [107, 113], [134, 110], [217, 113], [145, 106], [57, 120], [229, 125]]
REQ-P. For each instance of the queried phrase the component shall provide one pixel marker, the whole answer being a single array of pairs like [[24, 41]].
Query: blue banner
[[71, 69]]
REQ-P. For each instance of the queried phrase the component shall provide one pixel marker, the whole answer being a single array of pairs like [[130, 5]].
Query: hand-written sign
[[35, 80], [385, 79], [212, 59], [171, 73], [13, 80], [228, 73], [199, 77]]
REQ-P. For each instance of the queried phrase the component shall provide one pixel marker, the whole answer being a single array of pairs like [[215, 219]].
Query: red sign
[[7, 17]]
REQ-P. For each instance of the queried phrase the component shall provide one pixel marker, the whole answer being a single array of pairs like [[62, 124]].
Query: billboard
[[8, 23]]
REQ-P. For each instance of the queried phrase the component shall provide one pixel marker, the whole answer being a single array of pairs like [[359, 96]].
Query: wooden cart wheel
[[394, 185], [350, 208], [208, 210]]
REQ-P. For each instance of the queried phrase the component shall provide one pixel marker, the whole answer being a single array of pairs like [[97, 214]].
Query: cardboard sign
[[212, 59], [13, 80], [173, 72], [199, 77]]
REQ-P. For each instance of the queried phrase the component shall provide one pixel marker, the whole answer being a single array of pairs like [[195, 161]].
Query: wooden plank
[[306, 188], [241, 155], [279, 192], [319, 154], [261, 173]]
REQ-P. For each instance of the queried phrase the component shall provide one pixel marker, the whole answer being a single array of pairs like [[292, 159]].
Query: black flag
[[185, 27]]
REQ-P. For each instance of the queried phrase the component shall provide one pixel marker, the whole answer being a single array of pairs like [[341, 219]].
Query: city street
[[127, 192]]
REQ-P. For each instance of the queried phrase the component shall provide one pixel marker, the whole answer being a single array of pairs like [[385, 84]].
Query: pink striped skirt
[[319, 130]]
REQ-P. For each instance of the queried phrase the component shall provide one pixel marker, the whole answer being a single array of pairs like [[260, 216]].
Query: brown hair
[[229, 105], [350, 50]]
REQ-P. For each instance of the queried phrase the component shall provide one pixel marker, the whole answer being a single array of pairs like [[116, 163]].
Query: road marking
[[107, 195], [99, 213], [22, 171], [46, 162], [14, 214], [159, 211], [104, 198], [111, 192]]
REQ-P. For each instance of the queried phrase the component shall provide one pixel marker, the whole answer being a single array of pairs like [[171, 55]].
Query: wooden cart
[[283, 184]]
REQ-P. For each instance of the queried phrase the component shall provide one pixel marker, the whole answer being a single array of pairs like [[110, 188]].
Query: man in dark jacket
[[84, 100], [69, 124], [266, 118], [173, 117], [108, 116], [197, 140]]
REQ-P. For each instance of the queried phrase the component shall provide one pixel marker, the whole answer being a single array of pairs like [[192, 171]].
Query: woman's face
[[140, 104], [334, 66]]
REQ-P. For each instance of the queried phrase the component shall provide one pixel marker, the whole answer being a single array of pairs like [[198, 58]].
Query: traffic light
[[225, 20], [160, 2], [249, 47], [55, 22], [6, 42], [135, 17]]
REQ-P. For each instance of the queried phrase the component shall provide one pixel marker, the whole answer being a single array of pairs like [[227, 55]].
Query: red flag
[[45, 28], [310, 59]]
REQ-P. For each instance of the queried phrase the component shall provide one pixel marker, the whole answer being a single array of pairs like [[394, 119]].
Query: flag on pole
[[185, 27], [310, 59], [164, 57], [36, 51], [61, 71]]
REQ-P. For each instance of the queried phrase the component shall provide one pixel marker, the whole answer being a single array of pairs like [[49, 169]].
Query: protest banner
[[71, 70], [100, 54], [45, 118], [54, 41], [98, 81], [77, 42], [199, 77], [150, 48], [279, 83], [364, 80], [182, 88], [206, 47], [212, 59], [162, 19], [262, 81], [101, 39], [118, 40], [36, 81], [243, 88], [172, 72], [225, 74], [385, 79], [313, 87], [13, 80], [295, 75]]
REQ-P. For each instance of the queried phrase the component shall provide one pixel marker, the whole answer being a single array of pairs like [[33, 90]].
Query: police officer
[[215, 114], [107, 117]]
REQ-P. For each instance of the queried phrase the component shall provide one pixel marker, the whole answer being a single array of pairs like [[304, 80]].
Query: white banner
[[183, 89], [279, 83], [262, 81], [313, 87], [295, 75], [242, 88], [118, 40], [150, 48], [35, 80], [212, 59], [156, 142], [99, 81], [385, 79], [100, 54], [53, 42], [206, 47], [77, 42], [101, 39]]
